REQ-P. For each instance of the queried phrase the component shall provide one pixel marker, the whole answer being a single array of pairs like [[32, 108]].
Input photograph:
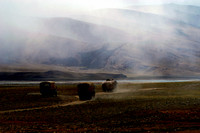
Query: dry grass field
[[133, 107]]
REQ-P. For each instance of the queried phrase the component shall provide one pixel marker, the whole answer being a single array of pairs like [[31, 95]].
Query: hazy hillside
[[82, 31], [139, 40], [18, 46], [160, 45]]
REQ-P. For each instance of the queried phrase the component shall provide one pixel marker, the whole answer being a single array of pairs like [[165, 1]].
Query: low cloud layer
[[63, 8]]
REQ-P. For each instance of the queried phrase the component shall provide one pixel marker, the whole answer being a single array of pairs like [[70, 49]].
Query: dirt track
[[37, 108], [67, 104]]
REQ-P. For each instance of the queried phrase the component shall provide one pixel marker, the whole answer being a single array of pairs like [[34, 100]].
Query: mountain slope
[[134, 41], [81, 31], [22, 46]]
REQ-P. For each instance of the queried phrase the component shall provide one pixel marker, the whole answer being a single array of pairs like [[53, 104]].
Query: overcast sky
[[61, 7]]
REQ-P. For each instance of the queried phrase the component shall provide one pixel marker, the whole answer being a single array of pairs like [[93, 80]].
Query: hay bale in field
[[86, 91], [48, 88], [109, 85]]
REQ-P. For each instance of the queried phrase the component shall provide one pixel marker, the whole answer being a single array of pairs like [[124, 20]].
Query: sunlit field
[[132, 107]]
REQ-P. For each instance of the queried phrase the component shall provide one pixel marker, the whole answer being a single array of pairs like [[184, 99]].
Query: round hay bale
[[109, 85], [86, 91], [48, 88]]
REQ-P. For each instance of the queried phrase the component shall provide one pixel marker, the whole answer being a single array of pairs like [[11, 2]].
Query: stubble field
[[133, 107]]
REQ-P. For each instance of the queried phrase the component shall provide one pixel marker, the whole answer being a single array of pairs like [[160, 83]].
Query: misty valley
[[134, 67]]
